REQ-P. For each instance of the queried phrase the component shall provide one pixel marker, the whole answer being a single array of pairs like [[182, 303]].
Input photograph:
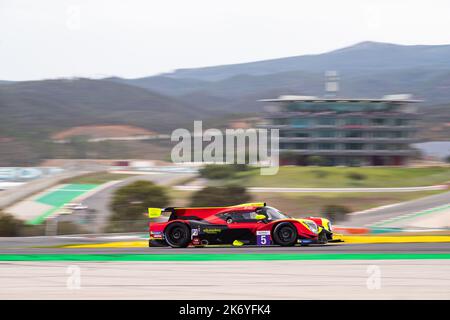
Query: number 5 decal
[[263, 238]]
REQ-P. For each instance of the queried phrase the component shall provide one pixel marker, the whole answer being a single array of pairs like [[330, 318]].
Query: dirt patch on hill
[[108, 131]]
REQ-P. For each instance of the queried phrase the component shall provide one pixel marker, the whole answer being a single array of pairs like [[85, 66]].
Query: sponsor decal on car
[[156, 234], [263, 238], [212, 230]]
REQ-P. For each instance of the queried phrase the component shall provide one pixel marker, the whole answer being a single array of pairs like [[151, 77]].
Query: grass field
[[58, 197], [303, 204], [338, 177]]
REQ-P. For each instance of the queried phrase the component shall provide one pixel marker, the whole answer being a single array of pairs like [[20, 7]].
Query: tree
[[216, 171], [335, 213], [220, 196], [131, 202], [10, 226], [223, 171], [447, 159]]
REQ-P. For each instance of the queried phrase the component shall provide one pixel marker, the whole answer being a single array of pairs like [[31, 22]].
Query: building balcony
[[337, 115], [339, 127], [349, 140], [341, 152]]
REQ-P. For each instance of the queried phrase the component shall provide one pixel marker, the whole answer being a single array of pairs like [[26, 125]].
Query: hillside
[[51, 105], [31, 111], [362, 56], [34, 110], [368, 69], [101, 132]]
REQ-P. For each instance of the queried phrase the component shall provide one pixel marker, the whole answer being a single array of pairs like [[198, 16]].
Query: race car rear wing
[[154, 212]]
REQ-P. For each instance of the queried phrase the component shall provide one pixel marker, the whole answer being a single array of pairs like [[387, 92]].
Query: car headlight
[[312, 226]]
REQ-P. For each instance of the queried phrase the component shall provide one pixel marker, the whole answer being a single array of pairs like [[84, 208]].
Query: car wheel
[[177, 235], [285, 234], [323, 239]]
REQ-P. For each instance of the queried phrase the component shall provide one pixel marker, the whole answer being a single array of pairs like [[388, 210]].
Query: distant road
[[8, 185], [375, 215]]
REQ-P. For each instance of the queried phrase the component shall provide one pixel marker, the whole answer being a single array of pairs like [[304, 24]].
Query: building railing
[[339, 127], [346, 139], [349, 152]]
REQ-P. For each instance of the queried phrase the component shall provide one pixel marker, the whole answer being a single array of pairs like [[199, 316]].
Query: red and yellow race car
[[248, 223]]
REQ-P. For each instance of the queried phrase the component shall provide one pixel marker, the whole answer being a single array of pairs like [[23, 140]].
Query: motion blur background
[[90, 92]]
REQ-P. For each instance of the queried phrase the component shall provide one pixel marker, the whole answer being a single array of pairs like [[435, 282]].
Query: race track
[[348, 279], [333, 271]]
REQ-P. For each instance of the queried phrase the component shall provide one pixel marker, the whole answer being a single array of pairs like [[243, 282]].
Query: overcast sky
[[135, 38]]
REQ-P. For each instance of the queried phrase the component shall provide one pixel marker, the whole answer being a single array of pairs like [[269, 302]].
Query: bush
[[316, 161], [130, 203], [220, 196], [356, 176], [215, 171], [335, 213], [10, 226], [240, 167], [447, 159], [222, 171]]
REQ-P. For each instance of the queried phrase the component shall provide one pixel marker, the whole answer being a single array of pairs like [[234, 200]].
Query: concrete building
[[366, 132]]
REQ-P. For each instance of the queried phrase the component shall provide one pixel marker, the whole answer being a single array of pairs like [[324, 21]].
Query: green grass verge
[[222, 257], [338, 177], [58, 198], [312, 203]]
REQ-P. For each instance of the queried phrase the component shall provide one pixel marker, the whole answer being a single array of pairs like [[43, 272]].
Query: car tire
[[285, 234], [177, 235]]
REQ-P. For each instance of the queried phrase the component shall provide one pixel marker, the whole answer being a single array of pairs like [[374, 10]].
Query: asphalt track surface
[[353, 278], [377, 215], [329, 248], [350, 279]]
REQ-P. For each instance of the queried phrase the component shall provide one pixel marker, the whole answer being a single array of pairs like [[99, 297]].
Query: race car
[[248, 223]]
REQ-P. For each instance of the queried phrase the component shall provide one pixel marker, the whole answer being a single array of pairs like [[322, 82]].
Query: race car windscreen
[[274, 214]]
